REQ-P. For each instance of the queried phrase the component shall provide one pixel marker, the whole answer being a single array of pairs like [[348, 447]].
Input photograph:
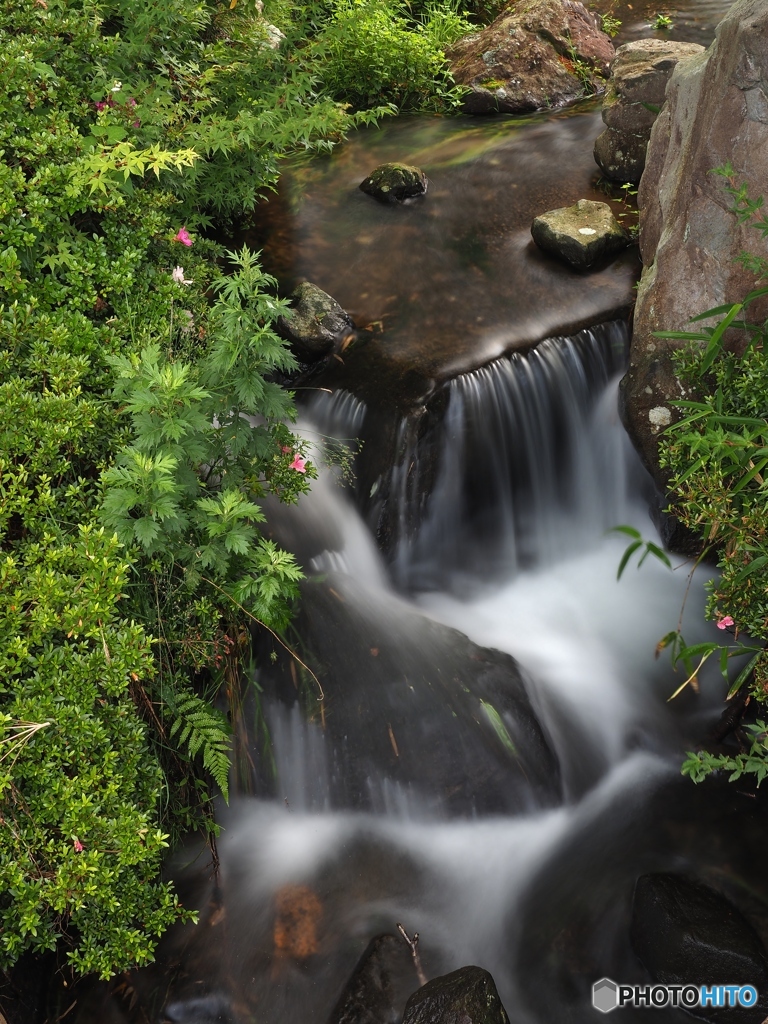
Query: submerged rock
[[716, 112], [688, 934], [413, 709], [394, 183], [466, 996], [580, 234], [536, 54], [369, 997], [635, 94], [315, 324], [210, 1009]]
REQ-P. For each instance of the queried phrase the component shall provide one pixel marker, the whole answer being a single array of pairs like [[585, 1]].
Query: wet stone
[[466, 996], [315, 324], [394, 183], [581, 234], [369, 996], [686, 933]]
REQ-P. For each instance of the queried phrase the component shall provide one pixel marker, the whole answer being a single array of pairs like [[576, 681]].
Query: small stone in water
[[394, 183]]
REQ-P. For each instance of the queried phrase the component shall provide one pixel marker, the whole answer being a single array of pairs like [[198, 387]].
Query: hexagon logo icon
[[605, 995]]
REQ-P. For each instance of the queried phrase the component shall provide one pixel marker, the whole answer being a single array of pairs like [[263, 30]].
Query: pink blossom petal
[[299, 464], [183, 236], [78, 846], [725, 622]]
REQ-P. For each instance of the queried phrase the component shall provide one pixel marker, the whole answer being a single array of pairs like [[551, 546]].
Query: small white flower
[[178, 276], [117, 87]]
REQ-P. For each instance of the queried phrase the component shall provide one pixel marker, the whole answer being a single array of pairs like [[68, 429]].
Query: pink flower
[[285, 449], [299, 464], [130, 102], [725, 622], [101, 105], [182, 235], [78, 846], [137, 124]]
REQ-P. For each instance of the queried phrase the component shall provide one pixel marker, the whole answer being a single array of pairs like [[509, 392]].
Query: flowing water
[[494, 761]]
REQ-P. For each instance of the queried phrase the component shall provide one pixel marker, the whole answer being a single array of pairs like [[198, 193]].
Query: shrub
[[717, 454], [370, 52]]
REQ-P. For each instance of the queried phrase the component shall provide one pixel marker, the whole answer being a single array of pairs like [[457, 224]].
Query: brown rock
[[297, 918], [635, 93], [716, 111], [536, 54]]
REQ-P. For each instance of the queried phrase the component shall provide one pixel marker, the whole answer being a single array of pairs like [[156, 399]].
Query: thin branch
[[282, 643], [413, 945]]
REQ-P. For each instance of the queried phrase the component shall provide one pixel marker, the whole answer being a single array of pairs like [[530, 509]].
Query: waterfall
[[500, 806], [529, 466]]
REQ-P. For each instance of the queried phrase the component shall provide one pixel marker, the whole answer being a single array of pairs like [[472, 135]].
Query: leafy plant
[[370, 52], [662, 22], [717, 456]]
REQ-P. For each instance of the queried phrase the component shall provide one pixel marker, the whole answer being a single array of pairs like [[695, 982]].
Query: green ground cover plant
[[139, 427]]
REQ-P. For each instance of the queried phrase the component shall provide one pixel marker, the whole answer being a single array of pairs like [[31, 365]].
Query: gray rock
[[688, 934], [635, 94], [536, 54], [210, 1009], [394, 183], [466, 996], [688, 238], [315, 324], [580, 234]]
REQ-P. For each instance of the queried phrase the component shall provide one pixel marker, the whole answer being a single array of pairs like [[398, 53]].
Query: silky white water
[[486, 890]]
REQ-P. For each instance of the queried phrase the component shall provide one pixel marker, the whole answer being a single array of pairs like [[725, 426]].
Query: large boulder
[[580, 234], [536, 54], [685, 933], [716, 111], [635, 94], [466, 996], [315, 323]]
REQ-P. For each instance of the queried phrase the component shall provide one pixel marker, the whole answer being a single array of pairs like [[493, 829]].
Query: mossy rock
[[581, 234], [394, 183]]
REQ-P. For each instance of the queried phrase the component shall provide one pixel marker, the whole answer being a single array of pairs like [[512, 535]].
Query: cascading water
[[493, 762], [508, 830]]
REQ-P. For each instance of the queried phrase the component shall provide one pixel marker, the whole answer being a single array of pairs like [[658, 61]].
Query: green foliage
[[610, 24], [717, 456], [371, 51], [636, 544], [204, 731], [138, 431], [662, 22], [700, 764]]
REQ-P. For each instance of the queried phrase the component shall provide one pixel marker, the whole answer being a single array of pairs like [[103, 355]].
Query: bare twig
[[413, 945]]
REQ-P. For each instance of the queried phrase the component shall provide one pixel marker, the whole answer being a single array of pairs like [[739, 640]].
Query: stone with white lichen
[[581, 234]]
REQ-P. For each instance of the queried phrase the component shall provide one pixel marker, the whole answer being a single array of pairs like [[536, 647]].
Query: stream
[[494, 760]]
